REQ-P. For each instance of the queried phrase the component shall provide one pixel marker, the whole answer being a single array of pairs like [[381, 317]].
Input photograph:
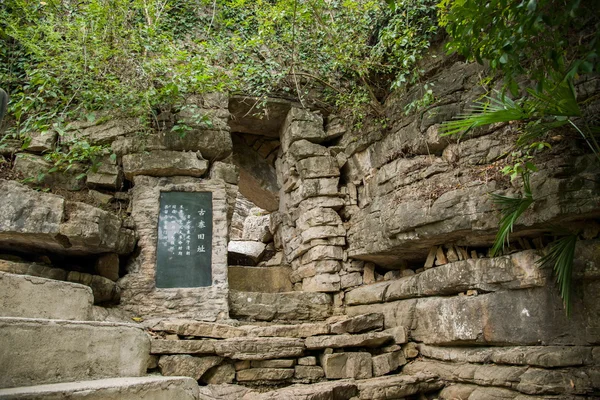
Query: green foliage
[[560, 257], [531, 37]]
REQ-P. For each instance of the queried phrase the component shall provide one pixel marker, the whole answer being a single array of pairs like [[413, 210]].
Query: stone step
[[32, 297], [39, 351], [130, 388]]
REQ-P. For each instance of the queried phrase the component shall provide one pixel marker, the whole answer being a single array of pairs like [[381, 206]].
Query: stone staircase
[[50, 348]]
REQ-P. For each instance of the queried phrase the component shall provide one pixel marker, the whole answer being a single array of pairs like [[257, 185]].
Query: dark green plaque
[[184, 247]]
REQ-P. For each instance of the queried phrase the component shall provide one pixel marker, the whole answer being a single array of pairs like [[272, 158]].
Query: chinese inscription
[[183, 251]]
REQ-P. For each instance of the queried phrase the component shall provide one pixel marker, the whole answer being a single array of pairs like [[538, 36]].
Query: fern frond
[[560, 256], [492, 111]]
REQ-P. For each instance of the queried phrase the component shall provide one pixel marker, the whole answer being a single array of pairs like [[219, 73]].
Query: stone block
[[294, 330], [359, 324], [221, 374], [318, 167], [160, 163], [160, 346], [257, 228], [40, 142], [36, 168], [319, 253], [246, 250], [310, 373], [32, 297], [190, 327], [397, 386], [319, 187], [228, 173], [357, 365], [302, 149], [318, 217], [371, 339], [273, 363], [307, 361], [119, 350], [129, 388], [388, 362], [264, 374], [324, 283], [260, 279], [213, 144], [187, 365], [259, 348], [351, 280], [292, 306]]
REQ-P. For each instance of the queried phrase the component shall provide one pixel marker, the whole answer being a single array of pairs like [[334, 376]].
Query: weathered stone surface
[[359, 324], [107, 176], [307, 361], [388, 362], [473, 392], [108, 266], [337, 390], [318, 167], [318, 217], [532, 381], [256, 228], [259, 348], [260, 279], [164, 163], [190, 327], [253, 115], [322, 283], [302, 149], [302, 124], [292, 306], [228, 173], [520, 317], [119, 350], [130, 388], [371, 339], [516, 271], [539, 356], [301, 271], [397, 386], [40, 142], [347, 365], [311, 373], [246, 250], [213, 144], [396, 313], [34, 220], [264, 374], [160, 346], [32, 297], [186, 365], [351, 280], [273, 363], [295, 331], [224, 373]]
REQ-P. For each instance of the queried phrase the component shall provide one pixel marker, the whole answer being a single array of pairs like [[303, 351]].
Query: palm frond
[[559, 100], [511, 209], [560, 257], [483, 113], [535, 130]]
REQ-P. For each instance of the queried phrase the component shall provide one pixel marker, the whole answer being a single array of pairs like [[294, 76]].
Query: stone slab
[[38, 351], [190, 327], [32, 297], [347, 365], [259, 348], [290, 306], [371, 339], [260, 279], [397, 386], [164, 163], [129, 388], [160, 346], [295, 330], [264, 374]]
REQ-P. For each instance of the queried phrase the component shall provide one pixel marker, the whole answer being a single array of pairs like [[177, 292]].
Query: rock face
[[280, 306], [164, 163], [34, 220]]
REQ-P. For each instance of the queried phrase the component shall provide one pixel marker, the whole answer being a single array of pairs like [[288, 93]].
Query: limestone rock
[[302, 149], [307, 361], [259, 348], [221, 374], [259, 279], [213, 144], [359, 324], [293, 306], [107, 176], [351, 280], [318, 167], [257, 228], [311, 373], [273, 363], [101, 133], [294, 331], [264, 374], [37, 169], [322, 283], [397, 386], [42, 141], [337, 390], [229, 173], [388, 362], [159, 346], [371, 339], [347, 365], [164, 163], [246, 250], [189, 327], [186, 365]]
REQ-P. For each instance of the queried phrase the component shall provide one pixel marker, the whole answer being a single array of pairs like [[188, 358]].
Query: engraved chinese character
[[201, 236], [180, 253], [187, 253], [201, 224], [201, 249], [201, 212]]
